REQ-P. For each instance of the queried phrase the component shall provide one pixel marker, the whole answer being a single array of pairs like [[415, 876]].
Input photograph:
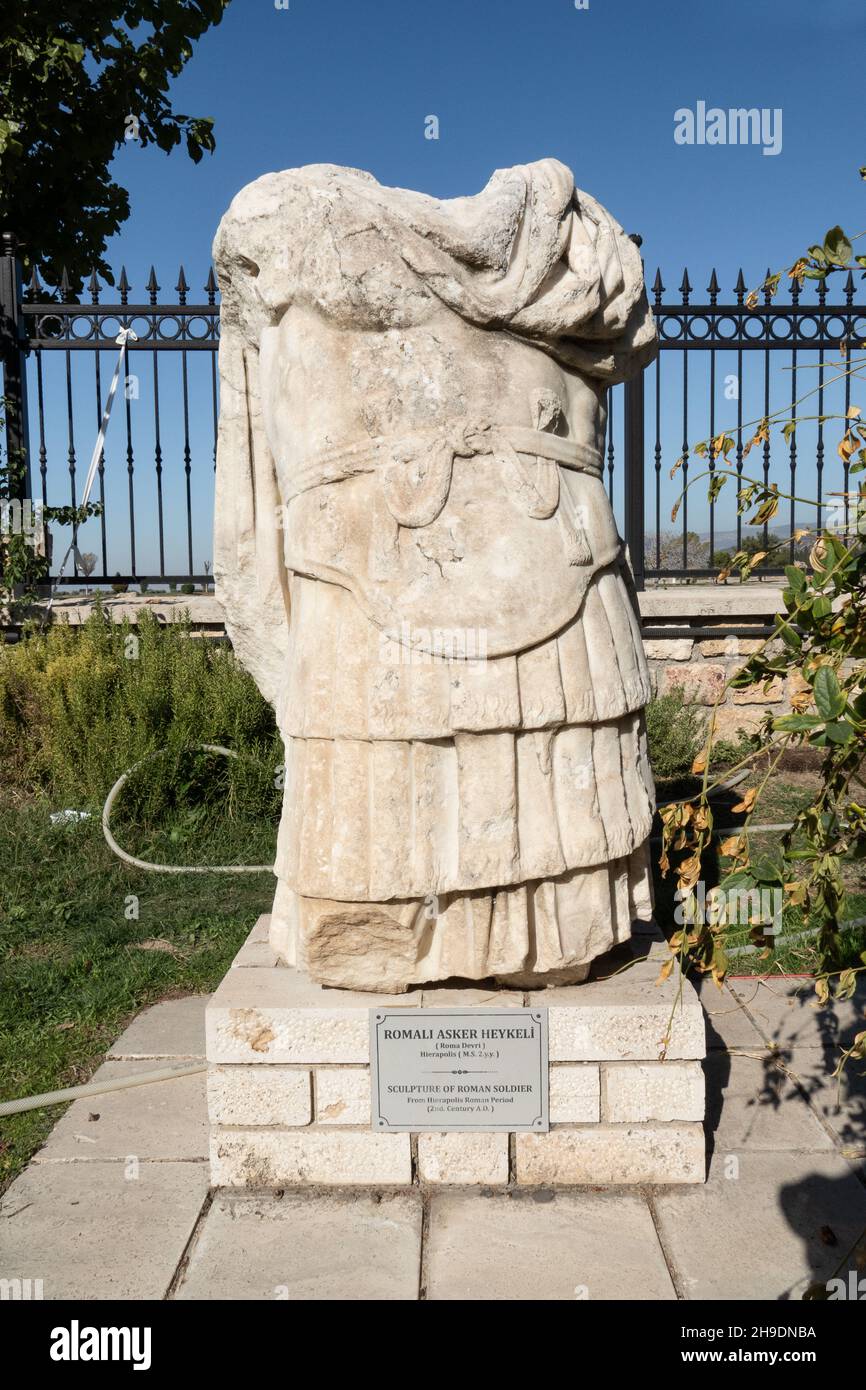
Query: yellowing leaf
[[748, 800], [666, 970], [733, 846]]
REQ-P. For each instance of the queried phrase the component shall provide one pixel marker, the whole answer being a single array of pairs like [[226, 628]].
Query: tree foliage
[[74, 80]]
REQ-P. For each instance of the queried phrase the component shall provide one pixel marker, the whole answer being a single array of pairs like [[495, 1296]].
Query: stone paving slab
[[840, 1103], [784, 1011], [752, 1104], [165, 1120], [89, 1232], [349, 1247], [786, 1221], [172, 1029], [571, 1246], [728, 1024]]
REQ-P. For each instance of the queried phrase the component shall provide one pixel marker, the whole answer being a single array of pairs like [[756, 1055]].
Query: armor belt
[[416, 469]]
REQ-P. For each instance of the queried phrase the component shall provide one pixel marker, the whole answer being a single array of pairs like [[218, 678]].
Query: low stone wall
[[289, 1084], [710, 627]]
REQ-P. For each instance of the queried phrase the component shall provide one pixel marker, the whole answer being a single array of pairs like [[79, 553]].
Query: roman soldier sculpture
[[419, 565]]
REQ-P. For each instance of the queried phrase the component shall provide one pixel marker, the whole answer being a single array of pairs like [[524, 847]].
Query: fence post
[[633, 482], [12, 354]]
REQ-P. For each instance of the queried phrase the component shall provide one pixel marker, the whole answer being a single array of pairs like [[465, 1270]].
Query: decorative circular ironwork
[[162, 328], [83, 328], [705, 329], [727, 327], [199, 328], [45, 331]]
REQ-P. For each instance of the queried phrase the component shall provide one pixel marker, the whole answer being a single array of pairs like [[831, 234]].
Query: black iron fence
[[721, 365]]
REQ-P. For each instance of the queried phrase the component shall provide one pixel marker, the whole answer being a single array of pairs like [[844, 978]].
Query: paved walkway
[[116, 1204]]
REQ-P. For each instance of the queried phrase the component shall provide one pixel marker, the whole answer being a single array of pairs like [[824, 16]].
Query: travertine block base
[[289, 1085]]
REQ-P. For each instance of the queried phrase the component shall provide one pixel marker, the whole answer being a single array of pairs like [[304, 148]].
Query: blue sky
[[352, 82]]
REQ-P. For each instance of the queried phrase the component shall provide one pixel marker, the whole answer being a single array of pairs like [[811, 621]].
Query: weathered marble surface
[[418, 563]]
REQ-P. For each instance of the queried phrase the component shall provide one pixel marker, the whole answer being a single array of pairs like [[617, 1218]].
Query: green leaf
[[797, 723], [791, 637], [768, 870], [839, 731], [829, 699], [837, 247], [741, 878], [796, 578]]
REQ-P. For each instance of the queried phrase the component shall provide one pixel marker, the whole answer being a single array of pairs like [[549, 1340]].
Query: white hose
[[97, 1088], [170, 868]]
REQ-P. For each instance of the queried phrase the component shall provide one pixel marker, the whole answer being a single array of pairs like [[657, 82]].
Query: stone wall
[[720, 617]]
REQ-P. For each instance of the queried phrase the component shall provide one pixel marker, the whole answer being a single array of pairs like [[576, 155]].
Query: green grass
[[74, 968]]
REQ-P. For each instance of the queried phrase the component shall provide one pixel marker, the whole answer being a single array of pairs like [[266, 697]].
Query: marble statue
[[419, 565]]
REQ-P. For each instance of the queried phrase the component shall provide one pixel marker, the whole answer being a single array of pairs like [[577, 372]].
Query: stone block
[[258, 1158], [701, 681], [278, 1015], [733, 647], [474, 998], [343, 1096], [91, 1231], [734, 720], [463, 1158], [612, 1154], [244, 1095], [662, 649], [638, 1092], [624, 1018], [163, 1120], [574, 1094], [761, 1231], [754, 1104], [757, 695]]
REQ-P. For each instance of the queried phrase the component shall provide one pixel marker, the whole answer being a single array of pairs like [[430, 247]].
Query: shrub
[[79, 707], [675, 734]]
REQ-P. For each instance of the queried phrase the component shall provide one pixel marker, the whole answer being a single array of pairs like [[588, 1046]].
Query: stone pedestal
[[289, 1085]]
